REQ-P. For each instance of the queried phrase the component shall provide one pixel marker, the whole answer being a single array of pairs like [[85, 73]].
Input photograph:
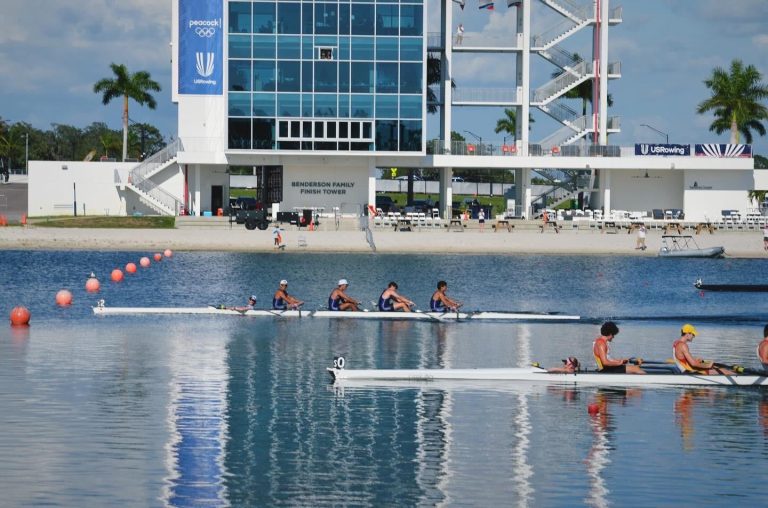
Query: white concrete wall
[[200, 190], [631, 191], [322, 184], [708, 193], [761, 179]]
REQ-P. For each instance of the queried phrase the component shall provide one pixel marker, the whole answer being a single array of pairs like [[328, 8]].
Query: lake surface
[[237, 411]]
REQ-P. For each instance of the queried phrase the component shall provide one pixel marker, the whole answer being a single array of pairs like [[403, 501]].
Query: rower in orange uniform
[[600, 348], [685, 361], [762, 349]]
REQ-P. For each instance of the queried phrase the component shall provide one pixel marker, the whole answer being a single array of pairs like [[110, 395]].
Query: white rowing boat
[[535, 375], [102, 309]]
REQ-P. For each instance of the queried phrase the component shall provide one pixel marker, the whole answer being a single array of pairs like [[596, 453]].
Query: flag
[[514, 3], [461, 3], [484, 4]]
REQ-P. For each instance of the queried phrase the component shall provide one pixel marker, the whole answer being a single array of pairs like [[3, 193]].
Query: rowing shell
[[420, 316], [536, 374]]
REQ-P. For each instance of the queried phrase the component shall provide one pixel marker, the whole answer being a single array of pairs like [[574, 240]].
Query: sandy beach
[[741, 244]]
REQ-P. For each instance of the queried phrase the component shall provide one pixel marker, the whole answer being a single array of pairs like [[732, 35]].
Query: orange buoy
[[20, 316], [168, 253], [158, 256], [144, 262], [92, 284], [130, 268], [3, 220], [23, 219], [593, 409], [117, 275], [63, 298]]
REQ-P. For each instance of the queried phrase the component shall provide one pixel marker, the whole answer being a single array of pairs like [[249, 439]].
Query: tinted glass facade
[[326, 75]]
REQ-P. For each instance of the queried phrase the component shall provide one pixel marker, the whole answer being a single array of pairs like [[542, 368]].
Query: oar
[[430, 315], [740, 370]]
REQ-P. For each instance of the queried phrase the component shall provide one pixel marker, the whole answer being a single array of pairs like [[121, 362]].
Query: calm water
[[231, 411]]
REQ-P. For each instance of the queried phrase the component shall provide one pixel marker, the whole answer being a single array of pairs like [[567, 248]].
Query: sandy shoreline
[[741, 244]]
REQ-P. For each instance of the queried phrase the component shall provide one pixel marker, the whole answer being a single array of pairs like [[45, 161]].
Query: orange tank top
[[594, 351], [681, 362]]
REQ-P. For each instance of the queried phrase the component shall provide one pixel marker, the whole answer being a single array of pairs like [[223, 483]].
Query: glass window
[[367, 130], [239, 46], [410, 106], [343, 106], [264, 46], [263, 134], [306, 104], [306, 77], [410, 136], [344, 77], [283, 129], [240, 17], [308, 47], [326, 18], [362, 19], [411, 49], [362, 48], [240, 75], [264, 76], [344, 48], [326, 40], [263, 104], [288, 18], [330, 128], [343, 19], [264, 18], [362, 77], [306, 130], [288, 104], [325, 77], [386, 78], [386, 106], [355, 130], [319, 130], [362, 106], [295, 129], [288, 76], [386, 135], [411, 21], [410, 74], [288, 46], [325, 105], [307, 27], [386, 48], [239, 104], [387, 20], [239, 133], [343, 130]]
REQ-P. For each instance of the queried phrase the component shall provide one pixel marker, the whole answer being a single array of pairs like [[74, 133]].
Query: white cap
[[283, 282], [343, 282]]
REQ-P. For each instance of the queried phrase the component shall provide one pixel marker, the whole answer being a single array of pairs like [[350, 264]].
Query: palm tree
[[736, 100], [128, 86], [509, 124]]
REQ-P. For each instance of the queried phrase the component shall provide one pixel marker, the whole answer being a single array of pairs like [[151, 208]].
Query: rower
[[390, 300], [339, 300], [570, 366], [762, 349], [250, 306], [601, 350], [685, 361], [282, 300], [440, 302]]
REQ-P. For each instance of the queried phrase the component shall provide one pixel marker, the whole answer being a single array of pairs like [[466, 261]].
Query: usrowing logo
[[204, 64], [644, 149]]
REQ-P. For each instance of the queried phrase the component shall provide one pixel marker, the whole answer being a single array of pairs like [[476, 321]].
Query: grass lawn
[[143, 222], [499, 202]]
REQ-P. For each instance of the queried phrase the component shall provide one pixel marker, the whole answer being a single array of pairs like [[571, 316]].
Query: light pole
[[478, 138], [666, 136]]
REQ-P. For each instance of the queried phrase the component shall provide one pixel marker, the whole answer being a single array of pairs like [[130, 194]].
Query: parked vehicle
[[386, 203]]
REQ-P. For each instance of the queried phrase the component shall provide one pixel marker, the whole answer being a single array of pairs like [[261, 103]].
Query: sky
[[53, 51]]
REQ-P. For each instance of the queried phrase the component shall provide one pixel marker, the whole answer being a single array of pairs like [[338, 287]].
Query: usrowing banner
[[662, 149], [719, 150], [201, 36]]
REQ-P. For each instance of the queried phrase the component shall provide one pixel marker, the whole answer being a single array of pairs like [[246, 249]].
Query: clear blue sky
[[53, 51]]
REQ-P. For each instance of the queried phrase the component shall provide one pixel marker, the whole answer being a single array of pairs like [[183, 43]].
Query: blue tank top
[[279, 304], [333, 304], [385, 304], [437, 305]]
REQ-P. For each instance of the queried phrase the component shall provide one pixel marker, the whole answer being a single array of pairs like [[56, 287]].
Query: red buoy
[[158, 256], [593, 409], [63, 298], [168, 253], [144, 262], [20, 316], [92, 285], [117, 275], [130, 268]]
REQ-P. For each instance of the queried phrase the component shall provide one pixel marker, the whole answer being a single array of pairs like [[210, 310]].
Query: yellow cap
[[688, 329]]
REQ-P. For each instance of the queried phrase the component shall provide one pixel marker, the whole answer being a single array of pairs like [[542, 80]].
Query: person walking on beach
[[277, 236], [762, 349], [601, 350], [640, 245], [339, 300], [765, 237], [481, 219], [391, 300], [440, 302], [460, 34], [685, 361], [282, 300]]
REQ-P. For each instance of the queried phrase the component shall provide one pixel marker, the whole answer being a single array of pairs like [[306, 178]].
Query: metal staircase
[[139, 181]]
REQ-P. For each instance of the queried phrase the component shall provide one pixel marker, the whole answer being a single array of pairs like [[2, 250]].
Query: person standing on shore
[[282, 300], [481, 219], [640, 245], [339, 300], [601, 350], [762, 349], [440, 302], [765, 237]]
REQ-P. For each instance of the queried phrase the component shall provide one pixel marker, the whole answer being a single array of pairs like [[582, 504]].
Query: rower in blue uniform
[[339, 300], [283, 301], [440, 302], [391, 300]]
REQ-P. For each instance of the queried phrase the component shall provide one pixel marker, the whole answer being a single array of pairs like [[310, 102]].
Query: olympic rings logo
[[205, 32]]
